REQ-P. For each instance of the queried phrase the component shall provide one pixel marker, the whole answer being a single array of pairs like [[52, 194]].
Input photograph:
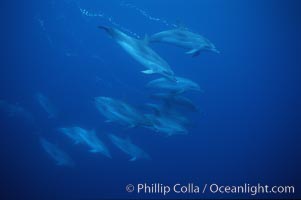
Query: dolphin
[[182, 85], [61, 157], [46, 104], [166, 125], [73, 133], [141, 52], [165, 111], [96, 145], [89, 138], [17, 111], [171, 100], [129, 148], [117, 111], [186, 39]]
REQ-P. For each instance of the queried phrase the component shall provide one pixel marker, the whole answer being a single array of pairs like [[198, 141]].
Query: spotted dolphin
[[118, 111], [58, 155], [186, 39], [141, 52], [129, 148], [182, 85]]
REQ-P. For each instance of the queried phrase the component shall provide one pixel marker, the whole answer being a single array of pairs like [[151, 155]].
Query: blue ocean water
[[247, 130]]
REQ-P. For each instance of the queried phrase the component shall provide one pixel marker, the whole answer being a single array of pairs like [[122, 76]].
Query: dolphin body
[[165, 120], [167, 125], [182, 85], [181, 37], [172, 100], [129, 148], [61, 157], [16, 110], [46, 105], [96, 145], [166, 111], [73, 133], [117, 111], [141, 52], [82, 136]]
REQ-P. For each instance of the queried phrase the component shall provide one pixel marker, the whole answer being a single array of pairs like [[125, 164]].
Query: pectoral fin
[[133, 159], [93, 151], [193, 52], [149, 71], [132, 126]]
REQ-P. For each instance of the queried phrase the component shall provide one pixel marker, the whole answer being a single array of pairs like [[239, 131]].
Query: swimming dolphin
[[47, 105], [96, 145], [141, 52], [61, 157], [181, 37], [117, 111], [73, 133], [129, 148], [182, 85], [17, 111], [89, 138], [172, 100], [167, 125], [165, 111]]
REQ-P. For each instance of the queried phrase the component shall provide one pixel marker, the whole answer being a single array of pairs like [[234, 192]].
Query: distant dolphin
[[47, 105], [83, 136], [181, 37], [171, 100], [117, 111], [168, 125], [182, 85], [16, 110], [96, 145], [142, 53], [129, 148], [61, 158]]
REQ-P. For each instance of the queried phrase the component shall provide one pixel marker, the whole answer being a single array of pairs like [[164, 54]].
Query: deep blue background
[[248, 129]]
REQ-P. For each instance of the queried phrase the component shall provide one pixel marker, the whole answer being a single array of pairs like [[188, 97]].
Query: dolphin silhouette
[[58, 155], [141, 52]]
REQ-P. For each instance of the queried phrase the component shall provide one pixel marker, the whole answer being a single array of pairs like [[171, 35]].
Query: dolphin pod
[[166, 118]]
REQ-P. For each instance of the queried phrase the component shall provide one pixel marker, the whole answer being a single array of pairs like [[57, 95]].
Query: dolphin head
[[169, 74], [195, 87], [103, 103], [191, 85], [103, 100], [114, 33], [211, 47]]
